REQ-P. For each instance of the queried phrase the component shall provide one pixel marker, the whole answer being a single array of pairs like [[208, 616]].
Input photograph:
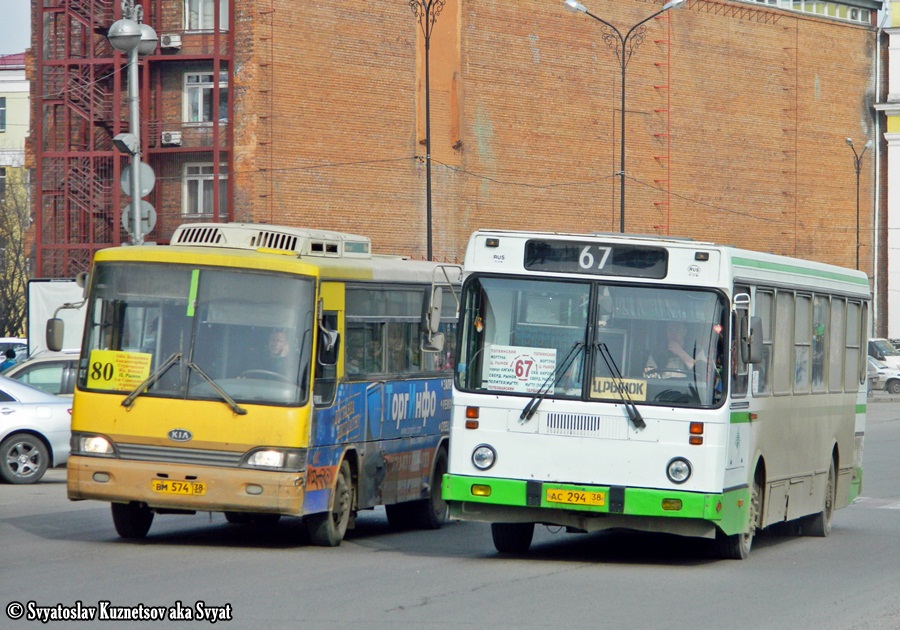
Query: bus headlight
[[91, 445], [678, 470], [273, 458], [483, 457]]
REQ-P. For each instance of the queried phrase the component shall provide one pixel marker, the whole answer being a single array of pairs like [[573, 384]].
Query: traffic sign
[[148, 217], [148, 179]]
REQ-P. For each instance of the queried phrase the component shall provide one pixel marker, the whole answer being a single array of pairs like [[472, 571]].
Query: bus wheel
[[820, 524], [737, 546], [132, 520], [328, 528], [430, 513], [512, 537]]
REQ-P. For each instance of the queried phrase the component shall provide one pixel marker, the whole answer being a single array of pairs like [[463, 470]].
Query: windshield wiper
[[236, 408], [155, 376], [549, 383], [633, 414]]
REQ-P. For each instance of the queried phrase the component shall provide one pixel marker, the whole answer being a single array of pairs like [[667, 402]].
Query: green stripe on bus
[[192, 297], [714, 507], [740, 417], [770, 266]]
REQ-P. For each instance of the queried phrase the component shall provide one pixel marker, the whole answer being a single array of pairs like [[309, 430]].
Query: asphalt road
[[63, 558]]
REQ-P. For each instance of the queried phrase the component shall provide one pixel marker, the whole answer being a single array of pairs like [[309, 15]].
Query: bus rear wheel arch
[[820, 524], [430, 513]]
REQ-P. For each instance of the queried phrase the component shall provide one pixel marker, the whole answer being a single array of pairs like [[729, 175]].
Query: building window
[[199, 15], [198, 97], [198, 190], [2, 113]]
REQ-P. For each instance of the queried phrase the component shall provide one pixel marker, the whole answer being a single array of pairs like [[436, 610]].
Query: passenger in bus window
[[673, 360]]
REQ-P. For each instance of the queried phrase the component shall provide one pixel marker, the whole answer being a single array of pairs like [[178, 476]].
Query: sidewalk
[[881, 396]]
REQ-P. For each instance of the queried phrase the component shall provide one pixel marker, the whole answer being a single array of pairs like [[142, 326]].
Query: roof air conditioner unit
[[171, 138], [170, 40]]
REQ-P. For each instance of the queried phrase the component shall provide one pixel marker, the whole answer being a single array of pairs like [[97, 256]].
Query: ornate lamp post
[[857, 163], [427, 12], [129, 36], [624, 46]]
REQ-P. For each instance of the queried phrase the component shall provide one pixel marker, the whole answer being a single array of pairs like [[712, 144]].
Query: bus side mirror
[[54, 334], [751, 339], [433, 342], [82, 280], [433, 314], [329, 344]]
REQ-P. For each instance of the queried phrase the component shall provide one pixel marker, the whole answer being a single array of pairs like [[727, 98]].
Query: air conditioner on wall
[[170, 40], [171, 138]]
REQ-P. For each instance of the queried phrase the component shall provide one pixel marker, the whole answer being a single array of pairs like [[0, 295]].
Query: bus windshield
[[593, 341], [199, 333]]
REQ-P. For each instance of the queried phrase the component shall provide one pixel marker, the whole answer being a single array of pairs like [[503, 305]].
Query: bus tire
[[328, 528], [132, 520], [820, 524], [430, 513], [512, 537], [737, 546]]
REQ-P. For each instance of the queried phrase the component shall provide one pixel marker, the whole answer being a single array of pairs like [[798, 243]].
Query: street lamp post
[[857, 164], [624, 47], [427, 12], [129, 36]]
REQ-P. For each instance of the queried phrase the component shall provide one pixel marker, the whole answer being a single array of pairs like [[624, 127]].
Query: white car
[[883, 376], [35, 429], [52, 372]]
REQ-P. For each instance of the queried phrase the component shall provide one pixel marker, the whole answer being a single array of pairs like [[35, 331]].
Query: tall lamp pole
[[624, 47], [427, 12], [129, 36], [857, 164]]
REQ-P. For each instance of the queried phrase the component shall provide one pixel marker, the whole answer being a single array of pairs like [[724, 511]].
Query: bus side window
[[325, 385]]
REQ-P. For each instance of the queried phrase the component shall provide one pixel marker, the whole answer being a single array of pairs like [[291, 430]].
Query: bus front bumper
[[167, 486], [593, 508]]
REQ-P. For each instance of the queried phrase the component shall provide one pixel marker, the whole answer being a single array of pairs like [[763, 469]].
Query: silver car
[[882, 376], [35, 428], [52, 372]]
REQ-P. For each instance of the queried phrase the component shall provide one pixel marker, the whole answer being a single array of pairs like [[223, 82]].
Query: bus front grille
[[583, 425], [173, 455]]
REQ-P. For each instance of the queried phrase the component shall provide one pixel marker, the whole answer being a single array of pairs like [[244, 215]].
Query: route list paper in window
[[519, 369]]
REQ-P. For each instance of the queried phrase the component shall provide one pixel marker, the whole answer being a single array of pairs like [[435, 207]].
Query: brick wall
[[736, 119]]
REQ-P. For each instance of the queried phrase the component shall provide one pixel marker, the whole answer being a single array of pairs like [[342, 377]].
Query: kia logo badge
[[180, 435]]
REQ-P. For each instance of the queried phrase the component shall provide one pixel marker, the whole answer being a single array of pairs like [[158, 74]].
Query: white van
[[884, 351]]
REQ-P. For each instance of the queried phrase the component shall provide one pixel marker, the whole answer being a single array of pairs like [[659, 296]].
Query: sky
[[15, 26]]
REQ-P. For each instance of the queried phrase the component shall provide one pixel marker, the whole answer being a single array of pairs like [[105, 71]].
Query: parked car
[[52, 372], [884, 351], [19, 345], [883, 376], [35, 429]]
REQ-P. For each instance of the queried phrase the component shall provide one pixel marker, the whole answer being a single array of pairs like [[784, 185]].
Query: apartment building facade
[[314, 114]]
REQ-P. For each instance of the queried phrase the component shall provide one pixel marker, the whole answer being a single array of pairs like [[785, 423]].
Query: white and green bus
[[654, 384]]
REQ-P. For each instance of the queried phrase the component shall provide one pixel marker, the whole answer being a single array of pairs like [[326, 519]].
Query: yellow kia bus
[[263, 371]]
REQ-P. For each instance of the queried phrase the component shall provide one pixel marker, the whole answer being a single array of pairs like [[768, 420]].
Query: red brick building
[[312, 113]]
